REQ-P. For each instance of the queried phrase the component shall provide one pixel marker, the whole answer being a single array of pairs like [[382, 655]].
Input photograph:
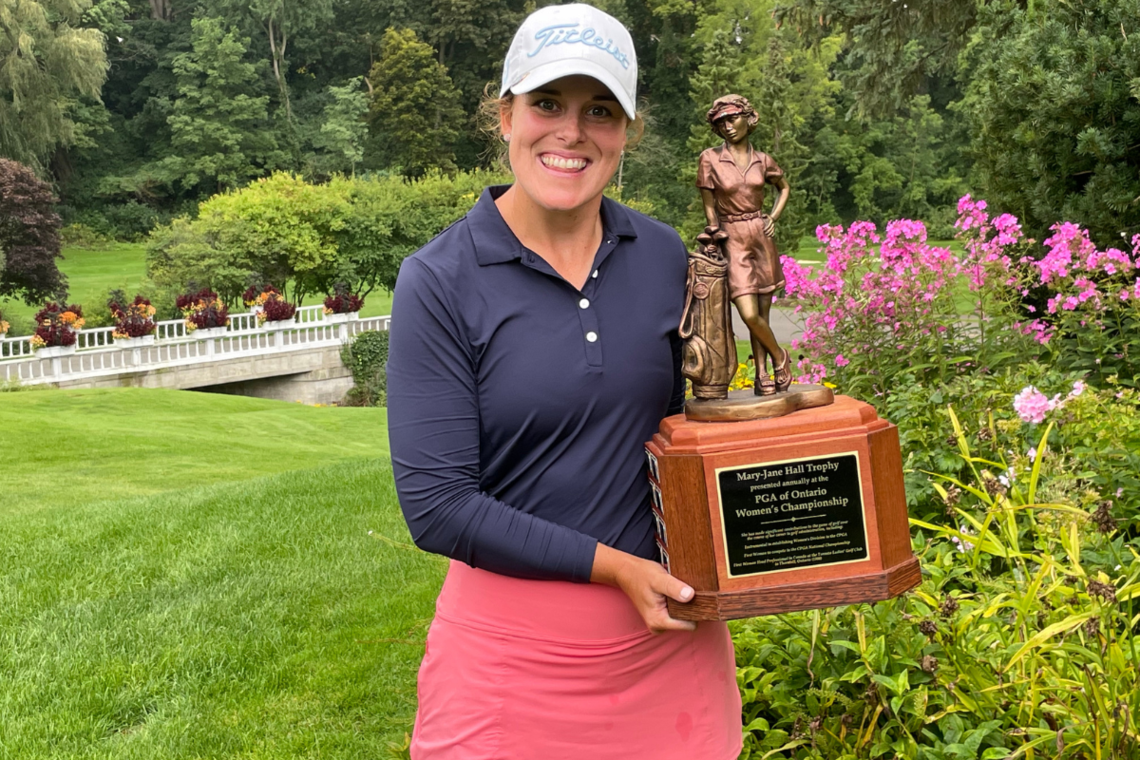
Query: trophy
[[782, 497]]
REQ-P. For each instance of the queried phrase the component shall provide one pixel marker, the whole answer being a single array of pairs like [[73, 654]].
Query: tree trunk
[[160, 10], [278, 54]]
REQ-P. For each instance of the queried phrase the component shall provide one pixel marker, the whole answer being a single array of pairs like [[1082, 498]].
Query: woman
[[533, 351], [731, 179]]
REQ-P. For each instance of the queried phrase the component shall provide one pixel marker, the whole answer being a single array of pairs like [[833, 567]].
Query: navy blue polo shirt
[[519, 405]]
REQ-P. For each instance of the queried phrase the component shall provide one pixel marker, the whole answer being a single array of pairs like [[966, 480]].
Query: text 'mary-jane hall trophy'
[[782, 497]]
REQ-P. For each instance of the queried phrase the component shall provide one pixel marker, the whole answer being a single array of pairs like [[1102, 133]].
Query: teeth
[[557, 162]]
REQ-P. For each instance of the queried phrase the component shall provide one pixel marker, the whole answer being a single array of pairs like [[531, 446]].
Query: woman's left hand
[[769, 225], [646, 584]]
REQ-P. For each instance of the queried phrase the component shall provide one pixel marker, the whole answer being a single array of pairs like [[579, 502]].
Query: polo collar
[[496, 244], [725, 155]]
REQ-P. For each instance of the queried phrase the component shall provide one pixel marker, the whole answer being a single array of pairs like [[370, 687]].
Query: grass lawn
[[167, 591], [90, 274]]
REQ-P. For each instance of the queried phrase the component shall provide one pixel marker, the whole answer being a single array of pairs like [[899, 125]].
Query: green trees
[[281, 23], [1048, 93], [1052, 99], [344, 129], [220, 135], [874, 108], [415, 115], [48, 62], [304, 237]]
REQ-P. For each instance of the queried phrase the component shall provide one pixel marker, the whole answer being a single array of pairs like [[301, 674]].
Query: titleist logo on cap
[[568, 34]]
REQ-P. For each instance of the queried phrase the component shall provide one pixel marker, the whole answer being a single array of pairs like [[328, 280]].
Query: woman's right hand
[[646, 584]]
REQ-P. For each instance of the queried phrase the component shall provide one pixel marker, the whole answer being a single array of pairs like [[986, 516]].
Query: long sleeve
[[434, 433]]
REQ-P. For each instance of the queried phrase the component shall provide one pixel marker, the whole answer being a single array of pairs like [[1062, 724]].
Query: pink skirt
[[530, 670]]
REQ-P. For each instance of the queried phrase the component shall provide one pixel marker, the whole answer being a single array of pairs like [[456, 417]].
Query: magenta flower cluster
[[873, 295], [883, 304]]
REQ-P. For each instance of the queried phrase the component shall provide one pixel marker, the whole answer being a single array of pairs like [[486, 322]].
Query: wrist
[[610, 566]]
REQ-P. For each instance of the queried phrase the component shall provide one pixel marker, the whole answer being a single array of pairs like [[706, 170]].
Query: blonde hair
[[489, 120]]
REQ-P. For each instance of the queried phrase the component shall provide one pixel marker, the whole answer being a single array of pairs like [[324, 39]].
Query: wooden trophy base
[[796, 512]]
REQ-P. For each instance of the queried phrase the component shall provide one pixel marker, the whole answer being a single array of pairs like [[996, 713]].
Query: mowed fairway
[[201, 576]]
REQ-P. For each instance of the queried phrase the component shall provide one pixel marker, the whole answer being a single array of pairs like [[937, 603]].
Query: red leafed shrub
[[257, 295], [29, 236], [133, 320], [342, 301], [203, 310], [276, 309], [56, 325]]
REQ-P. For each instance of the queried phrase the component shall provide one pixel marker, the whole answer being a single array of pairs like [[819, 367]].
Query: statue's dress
[[753, 262]]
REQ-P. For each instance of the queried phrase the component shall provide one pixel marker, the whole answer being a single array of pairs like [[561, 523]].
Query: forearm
[[781, 199], [467, 525], [609, 565], [708, 200]]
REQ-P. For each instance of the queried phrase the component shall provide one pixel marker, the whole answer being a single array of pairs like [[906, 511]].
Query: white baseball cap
[[563, 40]]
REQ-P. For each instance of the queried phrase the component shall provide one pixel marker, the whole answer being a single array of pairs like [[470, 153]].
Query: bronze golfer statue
[[738, 263]]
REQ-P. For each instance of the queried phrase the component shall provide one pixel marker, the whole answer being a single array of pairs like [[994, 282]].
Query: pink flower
[[1032, 405], [841, 360]]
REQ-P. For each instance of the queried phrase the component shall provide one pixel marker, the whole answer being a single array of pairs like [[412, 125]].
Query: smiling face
[[734, 129], [566, 140]]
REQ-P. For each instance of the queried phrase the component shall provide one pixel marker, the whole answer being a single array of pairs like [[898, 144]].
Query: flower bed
[[1011, 373], [203, 310], [134, 320], [342, 301], [56, 327], [1022, 634], [275, 309]]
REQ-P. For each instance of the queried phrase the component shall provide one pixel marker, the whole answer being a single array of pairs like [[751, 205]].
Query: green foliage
[[895, 49], [1051, 101], [219, 129], [281, 23], [344, 129], [367, 356], [307, 237], [48, 62], [840, 165], [79, 235], [1021, 636], [415, 113]]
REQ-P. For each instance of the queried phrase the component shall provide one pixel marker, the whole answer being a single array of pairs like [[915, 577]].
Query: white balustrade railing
[[97, 354], [15, 348], [95, 337]]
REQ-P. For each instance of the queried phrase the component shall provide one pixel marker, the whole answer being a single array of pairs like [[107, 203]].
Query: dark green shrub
[[367, 357], [79, 235], [132, 221]]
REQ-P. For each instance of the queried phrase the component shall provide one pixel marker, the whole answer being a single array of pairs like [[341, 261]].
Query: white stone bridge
[[297, 361]]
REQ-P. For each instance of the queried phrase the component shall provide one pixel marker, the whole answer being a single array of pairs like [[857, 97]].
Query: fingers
[[658, 620], [674, 589]]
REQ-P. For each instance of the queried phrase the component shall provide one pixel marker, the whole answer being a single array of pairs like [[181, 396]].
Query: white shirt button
[[595, 274], [592, 336], [584, 303]]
